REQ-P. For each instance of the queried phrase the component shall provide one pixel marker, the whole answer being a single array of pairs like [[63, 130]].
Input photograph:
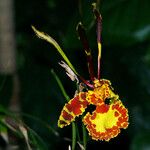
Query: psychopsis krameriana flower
[[110, 115]]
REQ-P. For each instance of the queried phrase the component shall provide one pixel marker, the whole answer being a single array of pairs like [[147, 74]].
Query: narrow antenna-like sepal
[[50, 40], [99, 31], [83, 38]]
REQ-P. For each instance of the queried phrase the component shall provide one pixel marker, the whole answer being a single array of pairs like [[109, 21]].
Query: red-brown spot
[[76, 103], [62, 122], [118, 124], [93, 99], [66, 116], [83, 96], [116, 114], [121, 119], [93, 116], [125, 125], [102, 108], [116, 106]]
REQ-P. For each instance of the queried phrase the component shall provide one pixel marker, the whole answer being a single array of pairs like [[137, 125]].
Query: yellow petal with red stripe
[[72, 109]]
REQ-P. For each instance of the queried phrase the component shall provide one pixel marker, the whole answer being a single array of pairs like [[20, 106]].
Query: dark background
[[125, 61]]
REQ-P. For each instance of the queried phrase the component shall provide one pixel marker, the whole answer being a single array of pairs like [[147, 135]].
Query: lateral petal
[[73, 109]]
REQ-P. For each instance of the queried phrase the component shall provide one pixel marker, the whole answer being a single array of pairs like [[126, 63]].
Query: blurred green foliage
[[125, 61]]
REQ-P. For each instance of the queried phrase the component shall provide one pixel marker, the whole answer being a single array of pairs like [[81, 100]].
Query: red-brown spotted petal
[[72, 109], [106, 121]]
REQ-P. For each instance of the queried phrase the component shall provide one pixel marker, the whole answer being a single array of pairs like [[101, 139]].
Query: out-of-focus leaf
[[11, 123], [36, 140], [81, 146], [141, 141], [126, 22], [43, 124], [25, 134], [3, 132]]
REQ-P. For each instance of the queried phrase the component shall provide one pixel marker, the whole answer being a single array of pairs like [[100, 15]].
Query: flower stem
[[84, 136], [73, 135], [74, 128]]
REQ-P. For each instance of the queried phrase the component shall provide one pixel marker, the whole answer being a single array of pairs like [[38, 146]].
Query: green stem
[[74, 130], [78, 134], [84, 136], [73, 135], [83, 128]]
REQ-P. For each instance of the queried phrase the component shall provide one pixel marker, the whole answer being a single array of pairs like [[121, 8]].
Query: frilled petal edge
[[106, 121]]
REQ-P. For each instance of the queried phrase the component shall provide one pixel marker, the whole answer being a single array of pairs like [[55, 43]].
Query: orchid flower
[[110, 115]]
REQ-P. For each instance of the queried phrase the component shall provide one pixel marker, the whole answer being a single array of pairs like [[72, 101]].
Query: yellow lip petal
[[105, 123]]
